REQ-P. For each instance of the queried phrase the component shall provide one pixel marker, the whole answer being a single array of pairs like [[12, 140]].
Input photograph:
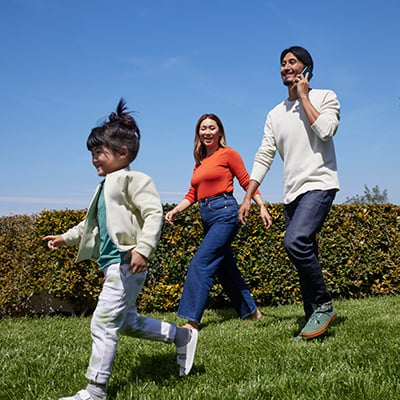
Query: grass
[[45, 358]]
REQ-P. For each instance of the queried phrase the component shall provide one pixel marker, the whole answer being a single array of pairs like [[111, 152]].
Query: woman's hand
[[171, 215], [182, 206]]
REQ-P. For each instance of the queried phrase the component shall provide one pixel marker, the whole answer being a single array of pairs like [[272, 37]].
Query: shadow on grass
[[220, 315], [161, 370]]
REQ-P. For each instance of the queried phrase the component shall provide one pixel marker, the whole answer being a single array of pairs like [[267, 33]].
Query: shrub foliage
[[359, 253]]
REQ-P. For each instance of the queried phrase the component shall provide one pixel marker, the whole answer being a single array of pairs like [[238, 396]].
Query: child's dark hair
[[120, 130]]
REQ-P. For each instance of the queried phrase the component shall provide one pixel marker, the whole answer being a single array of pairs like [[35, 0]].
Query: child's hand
[[138, 262], [54, 241]]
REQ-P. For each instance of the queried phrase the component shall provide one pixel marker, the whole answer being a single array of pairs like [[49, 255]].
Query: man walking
[[301, 129]]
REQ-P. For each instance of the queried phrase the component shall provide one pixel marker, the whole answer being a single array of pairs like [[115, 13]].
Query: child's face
[[106, 160]]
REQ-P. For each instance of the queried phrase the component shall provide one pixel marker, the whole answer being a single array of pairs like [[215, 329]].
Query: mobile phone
[[310, 74]]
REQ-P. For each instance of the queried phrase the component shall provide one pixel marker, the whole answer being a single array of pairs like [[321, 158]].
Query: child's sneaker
[[319, 321], [81, 395], [185, 353]]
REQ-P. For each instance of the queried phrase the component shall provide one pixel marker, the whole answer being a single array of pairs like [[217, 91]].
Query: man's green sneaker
[[297, 338], [319, 321]]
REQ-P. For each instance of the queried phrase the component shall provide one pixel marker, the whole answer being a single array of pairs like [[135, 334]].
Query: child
[[121, 229]]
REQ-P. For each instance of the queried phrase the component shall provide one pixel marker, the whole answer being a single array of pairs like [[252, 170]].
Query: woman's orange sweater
[[215, 175]]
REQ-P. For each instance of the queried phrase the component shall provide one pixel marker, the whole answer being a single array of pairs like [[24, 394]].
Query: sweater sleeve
[[73, 236], [327, 123], [146, 201], [191, 195], [236, 165], [265, 154], [238, 169]]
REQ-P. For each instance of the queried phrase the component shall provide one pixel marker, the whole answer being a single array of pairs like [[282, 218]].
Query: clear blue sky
[[65, 64]]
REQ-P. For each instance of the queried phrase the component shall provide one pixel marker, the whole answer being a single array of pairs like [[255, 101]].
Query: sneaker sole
[[320, 331], [186, 365]]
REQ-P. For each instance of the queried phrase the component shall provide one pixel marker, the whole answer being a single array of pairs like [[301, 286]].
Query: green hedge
[[359, 252]]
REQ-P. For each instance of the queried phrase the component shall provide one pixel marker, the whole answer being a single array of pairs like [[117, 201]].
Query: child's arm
[[54, 241], [69, 238], [145, 202], [138, 262]]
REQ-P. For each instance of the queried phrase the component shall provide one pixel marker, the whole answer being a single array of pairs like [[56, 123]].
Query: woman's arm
[[179, 208]]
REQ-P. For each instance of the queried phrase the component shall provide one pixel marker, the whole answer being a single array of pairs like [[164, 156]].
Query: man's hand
[[266, 217]]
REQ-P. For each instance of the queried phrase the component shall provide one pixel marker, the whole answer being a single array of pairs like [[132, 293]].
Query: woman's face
[[209, 134]]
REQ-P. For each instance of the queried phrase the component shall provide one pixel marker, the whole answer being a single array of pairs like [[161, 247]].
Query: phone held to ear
[[310, 74]]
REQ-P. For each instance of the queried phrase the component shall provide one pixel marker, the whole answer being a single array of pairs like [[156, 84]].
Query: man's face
[[291, 66]]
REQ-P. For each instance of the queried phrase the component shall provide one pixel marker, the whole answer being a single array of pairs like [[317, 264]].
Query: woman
[[212, 186]]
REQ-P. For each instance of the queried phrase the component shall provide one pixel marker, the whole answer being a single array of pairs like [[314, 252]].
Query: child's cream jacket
[[134, 216]]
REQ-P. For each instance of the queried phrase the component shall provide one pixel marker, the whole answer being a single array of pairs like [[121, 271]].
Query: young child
[[121, 229]]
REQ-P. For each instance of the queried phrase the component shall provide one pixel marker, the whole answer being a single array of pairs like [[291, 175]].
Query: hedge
[[359, 253]]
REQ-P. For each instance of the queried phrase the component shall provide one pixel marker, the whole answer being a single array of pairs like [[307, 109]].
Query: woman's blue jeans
[[304, 218], [214, 257]]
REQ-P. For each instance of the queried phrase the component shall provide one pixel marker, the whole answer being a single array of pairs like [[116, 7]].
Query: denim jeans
[[214, 257], [116, 314], [304, 218]]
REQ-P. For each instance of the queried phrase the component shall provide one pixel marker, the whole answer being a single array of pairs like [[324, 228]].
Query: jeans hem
[[248, 315], [188, 318]]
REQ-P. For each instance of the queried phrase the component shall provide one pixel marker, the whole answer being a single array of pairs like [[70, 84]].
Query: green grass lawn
[[45, 358]]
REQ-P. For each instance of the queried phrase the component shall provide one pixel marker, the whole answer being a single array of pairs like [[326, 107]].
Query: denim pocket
[[217, 204]]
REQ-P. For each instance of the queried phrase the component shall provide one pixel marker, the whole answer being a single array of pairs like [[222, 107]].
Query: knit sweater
[[307, 151], [215, 175]]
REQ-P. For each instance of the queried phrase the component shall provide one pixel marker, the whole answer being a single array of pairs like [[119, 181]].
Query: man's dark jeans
[[304, 218]]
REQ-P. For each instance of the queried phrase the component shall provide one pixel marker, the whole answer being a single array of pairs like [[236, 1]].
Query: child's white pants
[[115, 314]]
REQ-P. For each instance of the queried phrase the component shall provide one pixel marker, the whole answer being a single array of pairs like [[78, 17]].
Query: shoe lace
[[317, 314], [315, 317]]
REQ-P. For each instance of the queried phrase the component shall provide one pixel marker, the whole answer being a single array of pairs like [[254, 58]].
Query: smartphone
[[310, 74]]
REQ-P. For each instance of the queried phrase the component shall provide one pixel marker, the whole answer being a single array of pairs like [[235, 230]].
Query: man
[[301, 129]]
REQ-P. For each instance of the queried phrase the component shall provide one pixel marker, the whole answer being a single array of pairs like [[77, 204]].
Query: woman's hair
[[200, 150], [301, 54], [120, 130]]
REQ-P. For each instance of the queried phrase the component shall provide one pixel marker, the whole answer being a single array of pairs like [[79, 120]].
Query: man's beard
[[287, 83]]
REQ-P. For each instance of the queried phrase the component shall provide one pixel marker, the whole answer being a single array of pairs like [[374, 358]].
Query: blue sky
[[65, 64]]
